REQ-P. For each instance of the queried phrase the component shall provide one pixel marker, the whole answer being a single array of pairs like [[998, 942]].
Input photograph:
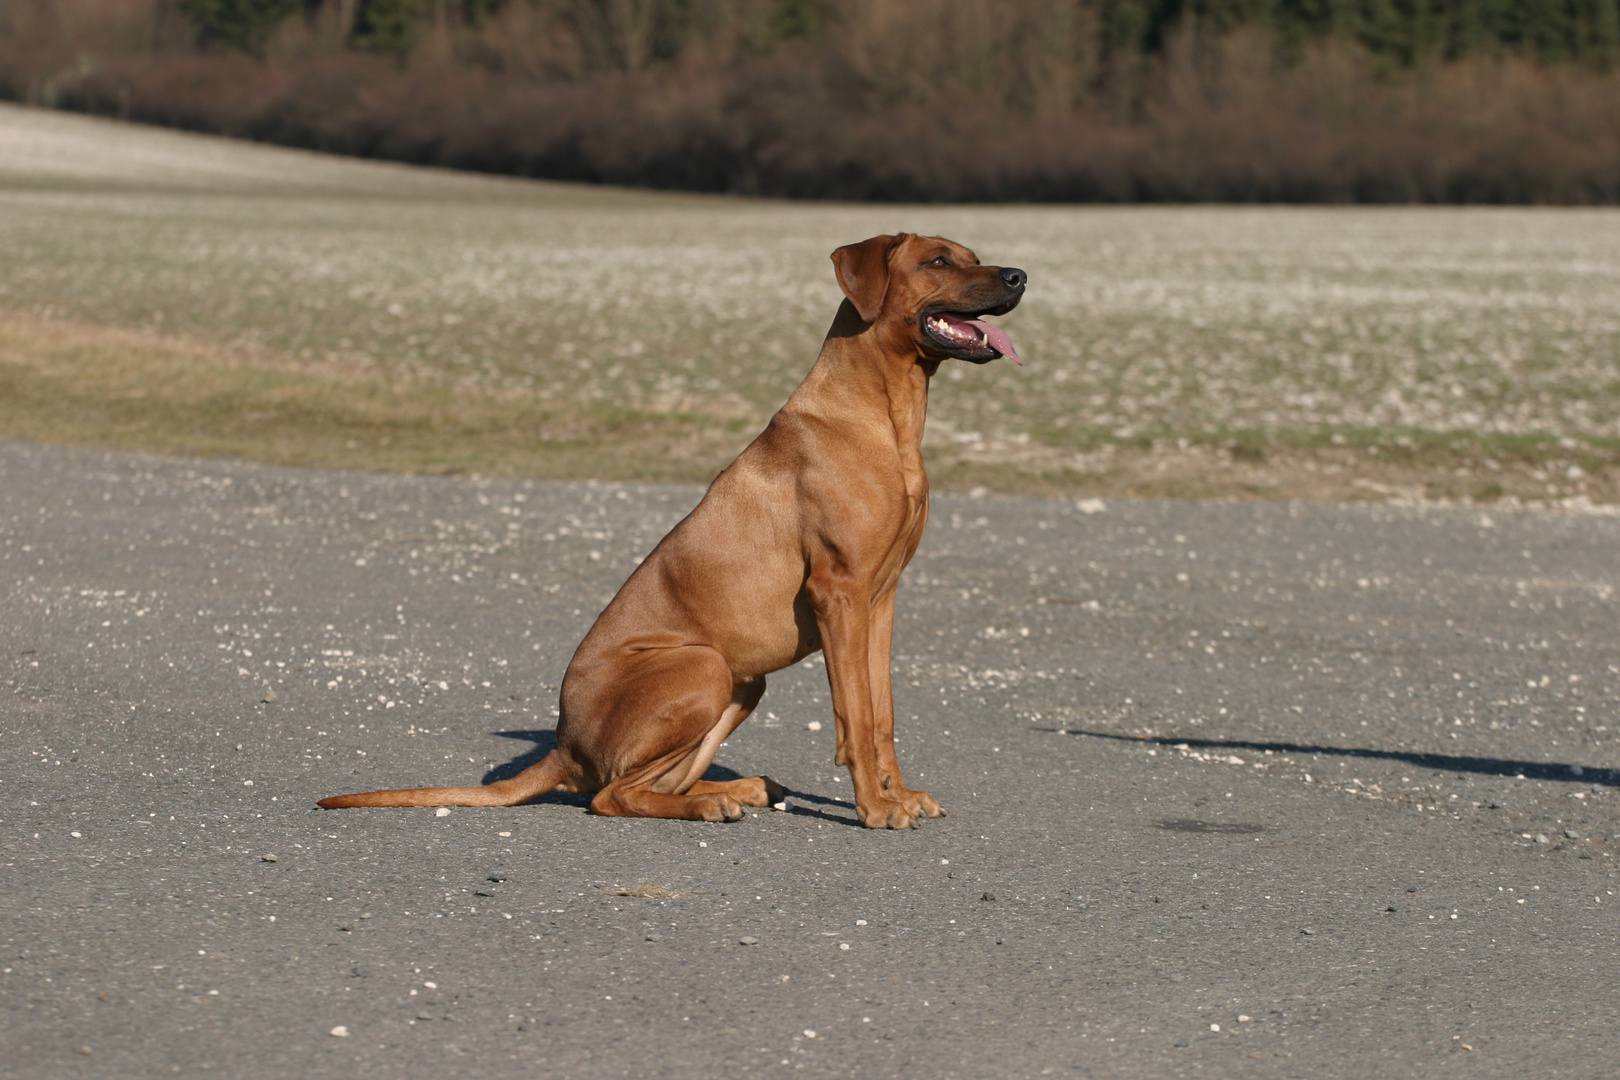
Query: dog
[[797, 546]]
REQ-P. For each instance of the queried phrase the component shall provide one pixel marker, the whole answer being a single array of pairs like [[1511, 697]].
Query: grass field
[[181, 294]]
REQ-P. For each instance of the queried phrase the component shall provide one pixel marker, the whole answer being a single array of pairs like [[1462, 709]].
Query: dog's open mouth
[[972, 339]]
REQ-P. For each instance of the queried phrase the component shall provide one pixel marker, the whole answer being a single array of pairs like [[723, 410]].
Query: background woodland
[[1381, 101]]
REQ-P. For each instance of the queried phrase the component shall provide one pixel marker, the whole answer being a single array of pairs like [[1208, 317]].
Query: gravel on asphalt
[[1258, 789]]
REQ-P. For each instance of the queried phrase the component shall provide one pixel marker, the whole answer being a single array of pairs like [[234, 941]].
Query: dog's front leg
[[879, 650], [844, 616]]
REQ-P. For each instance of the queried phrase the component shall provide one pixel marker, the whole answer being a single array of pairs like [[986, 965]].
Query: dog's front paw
[[920, 803], [917, 803], [888, 813]]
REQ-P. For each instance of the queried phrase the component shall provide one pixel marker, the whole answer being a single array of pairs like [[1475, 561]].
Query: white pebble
[[340, 1032], [814, 725], [443, 811]]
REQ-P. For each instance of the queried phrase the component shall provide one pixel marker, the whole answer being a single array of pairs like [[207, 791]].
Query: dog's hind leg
[[670, 785], [750, 791], [636, 800]]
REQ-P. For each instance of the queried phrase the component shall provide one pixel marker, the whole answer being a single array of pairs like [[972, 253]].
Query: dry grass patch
[[1467, 471], [65, 382], [72, 383]]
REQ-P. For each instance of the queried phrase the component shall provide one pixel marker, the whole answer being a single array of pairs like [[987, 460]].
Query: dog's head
[[934, 290]]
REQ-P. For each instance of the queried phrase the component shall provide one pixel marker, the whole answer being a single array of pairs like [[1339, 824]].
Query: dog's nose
[[1013, 278]]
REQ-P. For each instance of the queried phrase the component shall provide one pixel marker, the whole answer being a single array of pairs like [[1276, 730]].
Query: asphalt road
[[1234, 790]]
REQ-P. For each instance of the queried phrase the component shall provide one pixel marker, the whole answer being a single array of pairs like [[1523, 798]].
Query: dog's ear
[[863, 273]]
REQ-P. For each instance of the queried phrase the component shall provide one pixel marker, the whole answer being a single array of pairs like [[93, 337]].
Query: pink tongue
[[997, 339]]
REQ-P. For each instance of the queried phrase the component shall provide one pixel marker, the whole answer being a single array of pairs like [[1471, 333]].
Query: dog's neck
[[870, 373]]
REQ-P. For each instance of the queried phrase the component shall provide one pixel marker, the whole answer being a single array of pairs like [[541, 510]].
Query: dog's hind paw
[[719, 808]]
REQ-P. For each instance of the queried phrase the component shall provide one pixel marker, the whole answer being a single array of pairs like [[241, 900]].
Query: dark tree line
[[1402, 32], [1399, 32], [1119, 100]]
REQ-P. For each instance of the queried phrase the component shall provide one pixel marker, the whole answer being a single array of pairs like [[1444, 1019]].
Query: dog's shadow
[[545, 741], [1561, 771]]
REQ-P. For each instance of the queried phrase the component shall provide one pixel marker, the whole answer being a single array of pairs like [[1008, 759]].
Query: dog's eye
[[940, 262]]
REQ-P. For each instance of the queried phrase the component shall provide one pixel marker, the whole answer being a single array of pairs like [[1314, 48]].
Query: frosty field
[[183, 294]]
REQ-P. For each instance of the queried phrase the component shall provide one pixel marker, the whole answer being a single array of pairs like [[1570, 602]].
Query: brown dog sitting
[[798, 546]]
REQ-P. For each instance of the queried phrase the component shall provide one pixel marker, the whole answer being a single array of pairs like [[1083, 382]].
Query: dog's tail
[[537, 779]]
